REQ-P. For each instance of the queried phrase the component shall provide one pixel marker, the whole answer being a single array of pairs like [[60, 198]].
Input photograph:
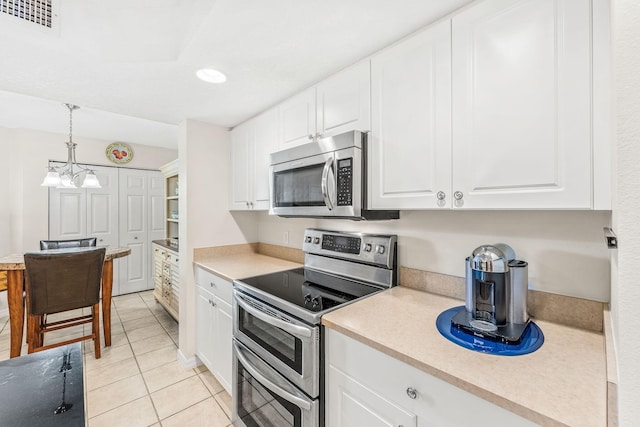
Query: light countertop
[[241, 265], [562, 383]]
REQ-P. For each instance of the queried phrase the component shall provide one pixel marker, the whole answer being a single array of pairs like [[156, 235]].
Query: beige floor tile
[[131, 325], [157, 357], [97, 378], [211, 382], [139, 413], [204, 414], [116, 341], [109, 356], [173, 399], [145, 332], [111, 396], [166, 375], [224, 400], [147, 295], [152, 343], [133, 313], [171, 327]]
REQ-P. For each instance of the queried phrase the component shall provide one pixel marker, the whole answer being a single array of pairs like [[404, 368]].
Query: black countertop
[[166, 243], [31, 388]]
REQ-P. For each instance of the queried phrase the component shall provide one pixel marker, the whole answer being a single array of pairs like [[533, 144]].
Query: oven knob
[[380, 249], [367, 247], [307, 239], [315, 302], [316, 240], [307, 299]]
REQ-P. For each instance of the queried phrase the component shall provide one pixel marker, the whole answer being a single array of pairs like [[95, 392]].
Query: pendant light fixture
[[65, 176]]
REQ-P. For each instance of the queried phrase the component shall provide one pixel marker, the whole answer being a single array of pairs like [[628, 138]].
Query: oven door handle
[[295, 330], [324, 184], [268, 383]]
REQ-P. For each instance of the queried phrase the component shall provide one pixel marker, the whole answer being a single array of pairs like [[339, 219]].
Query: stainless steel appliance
[[278, 342], [496, 294], [325, 179]]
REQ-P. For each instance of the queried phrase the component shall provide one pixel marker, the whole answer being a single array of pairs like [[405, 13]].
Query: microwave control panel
[[345, 182]]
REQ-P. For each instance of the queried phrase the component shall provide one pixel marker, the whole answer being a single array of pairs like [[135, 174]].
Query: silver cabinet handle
[[269, 383], [246, 203], [441, 195], [136, 238], [295, 330], [213, 304], [412, 393], [319, 135], [324, 184], [213, 285], [310, 136], [100, 240], [458, 195]]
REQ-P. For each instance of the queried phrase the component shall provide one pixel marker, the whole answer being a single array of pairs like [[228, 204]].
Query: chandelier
[[65, 176]]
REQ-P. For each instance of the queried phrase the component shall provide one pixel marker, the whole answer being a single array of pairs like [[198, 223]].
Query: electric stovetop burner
[[308, 289]]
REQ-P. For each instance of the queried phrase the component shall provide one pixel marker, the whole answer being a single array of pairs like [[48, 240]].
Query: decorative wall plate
[[119, 152]]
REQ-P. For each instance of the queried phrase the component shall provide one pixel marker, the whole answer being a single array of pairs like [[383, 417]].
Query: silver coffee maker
[[496, 295]]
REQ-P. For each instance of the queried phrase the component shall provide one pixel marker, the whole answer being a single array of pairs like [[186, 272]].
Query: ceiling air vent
[[37, 11]]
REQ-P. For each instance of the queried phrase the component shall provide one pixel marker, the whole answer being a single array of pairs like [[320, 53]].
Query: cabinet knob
[[310, 136], [100, 240], [458, 195], [412, 393], [441, 195], [319, 135], [246, 203], [213, 304], [136, 238], [213, 285]]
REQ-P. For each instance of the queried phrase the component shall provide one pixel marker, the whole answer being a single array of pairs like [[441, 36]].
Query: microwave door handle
[[295, 330], [271, 385], [328, 166]]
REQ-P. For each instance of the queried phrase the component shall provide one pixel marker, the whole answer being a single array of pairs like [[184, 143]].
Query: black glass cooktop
[[310, 289]]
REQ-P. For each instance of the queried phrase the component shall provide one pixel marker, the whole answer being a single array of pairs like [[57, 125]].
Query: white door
[[265, 142], [522, 104], [297, 118], [410, 139], [102, 207], [134, 219], [67, 212], [344, 101]]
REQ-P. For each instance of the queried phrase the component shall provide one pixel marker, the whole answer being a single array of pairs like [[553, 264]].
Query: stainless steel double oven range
[[278, 343]]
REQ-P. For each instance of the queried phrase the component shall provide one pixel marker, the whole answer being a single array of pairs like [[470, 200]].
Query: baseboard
[[187, 363]]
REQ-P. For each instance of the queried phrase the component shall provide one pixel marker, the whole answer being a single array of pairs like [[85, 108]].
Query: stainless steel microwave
[[323, 179]]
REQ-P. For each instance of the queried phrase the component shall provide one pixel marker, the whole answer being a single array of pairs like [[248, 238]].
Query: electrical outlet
[[285, 237]]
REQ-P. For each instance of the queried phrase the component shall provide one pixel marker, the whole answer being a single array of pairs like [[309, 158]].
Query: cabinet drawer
[[214, 284]]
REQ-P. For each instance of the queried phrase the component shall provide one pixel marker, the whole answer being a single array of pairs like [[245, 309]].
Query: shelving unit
[[166, 263]]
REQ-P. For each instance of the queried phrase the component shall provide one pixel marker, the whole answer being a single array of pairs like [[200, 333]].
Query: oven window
[[298, 187], [279, 343], [259, 407]]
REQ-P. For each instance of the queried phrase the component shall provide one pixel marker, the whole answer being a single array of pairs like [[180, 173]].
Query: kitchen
[[565, 249]]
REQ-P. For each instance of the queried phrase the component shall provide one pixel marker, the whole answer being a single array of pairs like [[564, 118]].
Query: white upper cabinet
[[522, 105], [344, 101], [410, 139], [298, 119], [251, 144], [338, 104]]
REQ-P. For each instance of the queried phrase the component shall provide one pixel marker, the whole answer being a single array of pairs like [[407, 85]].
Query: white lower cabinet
[[214, 325], [166, 279], [366, 387]]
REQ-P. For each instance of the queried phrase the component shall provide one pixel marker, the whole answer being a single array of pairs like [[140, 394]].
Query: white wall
[[205, 219], [625, 292], [26, 155], [566, 250]]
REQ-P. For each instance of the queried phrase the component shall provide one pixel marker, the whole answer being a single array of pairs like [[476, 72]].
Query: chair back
[[63, 280], [61, 244]]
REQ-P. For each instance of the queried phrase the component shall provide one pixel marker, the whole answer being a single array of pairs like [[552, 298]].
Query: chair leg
[[96, 329], [31, 332]]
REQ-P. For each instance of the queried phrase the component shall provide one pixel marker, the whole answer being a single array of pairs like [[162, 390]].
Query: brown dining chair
[[62, 280], [73, 243]]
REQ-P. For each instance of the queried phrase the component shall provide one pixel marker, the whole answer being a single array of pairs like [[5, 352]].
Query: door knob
[[412, 393], [458, 195], [441, 195]]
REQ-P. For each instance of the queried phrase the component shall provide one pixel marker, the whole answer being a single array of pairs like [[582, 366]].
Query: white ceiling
[[134, 62]]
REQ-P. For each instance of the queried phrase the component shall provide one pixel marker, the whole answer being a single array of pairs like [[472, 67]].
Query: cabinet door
[[67, 212], [344, 101], [265, 142], [521, 104], [223, 331], [205, 321], [410, 139], [352, 404], [297, 118], [102, 208], [239, 193]]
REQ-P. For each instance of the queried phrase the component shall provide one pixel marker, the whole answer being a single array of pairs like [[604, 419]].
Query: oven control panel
[[368, 248]]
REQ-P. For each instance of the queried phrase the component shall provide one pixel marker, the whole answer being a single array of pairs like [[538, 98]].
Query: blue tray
[[531, 340]]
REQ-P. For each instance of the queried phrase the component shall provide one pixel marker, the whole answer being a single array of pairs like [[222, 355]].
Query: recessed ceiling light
[[210, 75]]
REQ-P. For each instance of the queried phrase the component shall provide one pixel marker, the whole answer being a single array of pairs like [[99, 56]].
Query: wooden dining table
[[14, 266]]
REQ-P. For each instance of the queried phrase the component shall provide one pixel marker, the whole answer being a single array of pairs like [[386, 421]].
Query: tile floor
[[137, 381]]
